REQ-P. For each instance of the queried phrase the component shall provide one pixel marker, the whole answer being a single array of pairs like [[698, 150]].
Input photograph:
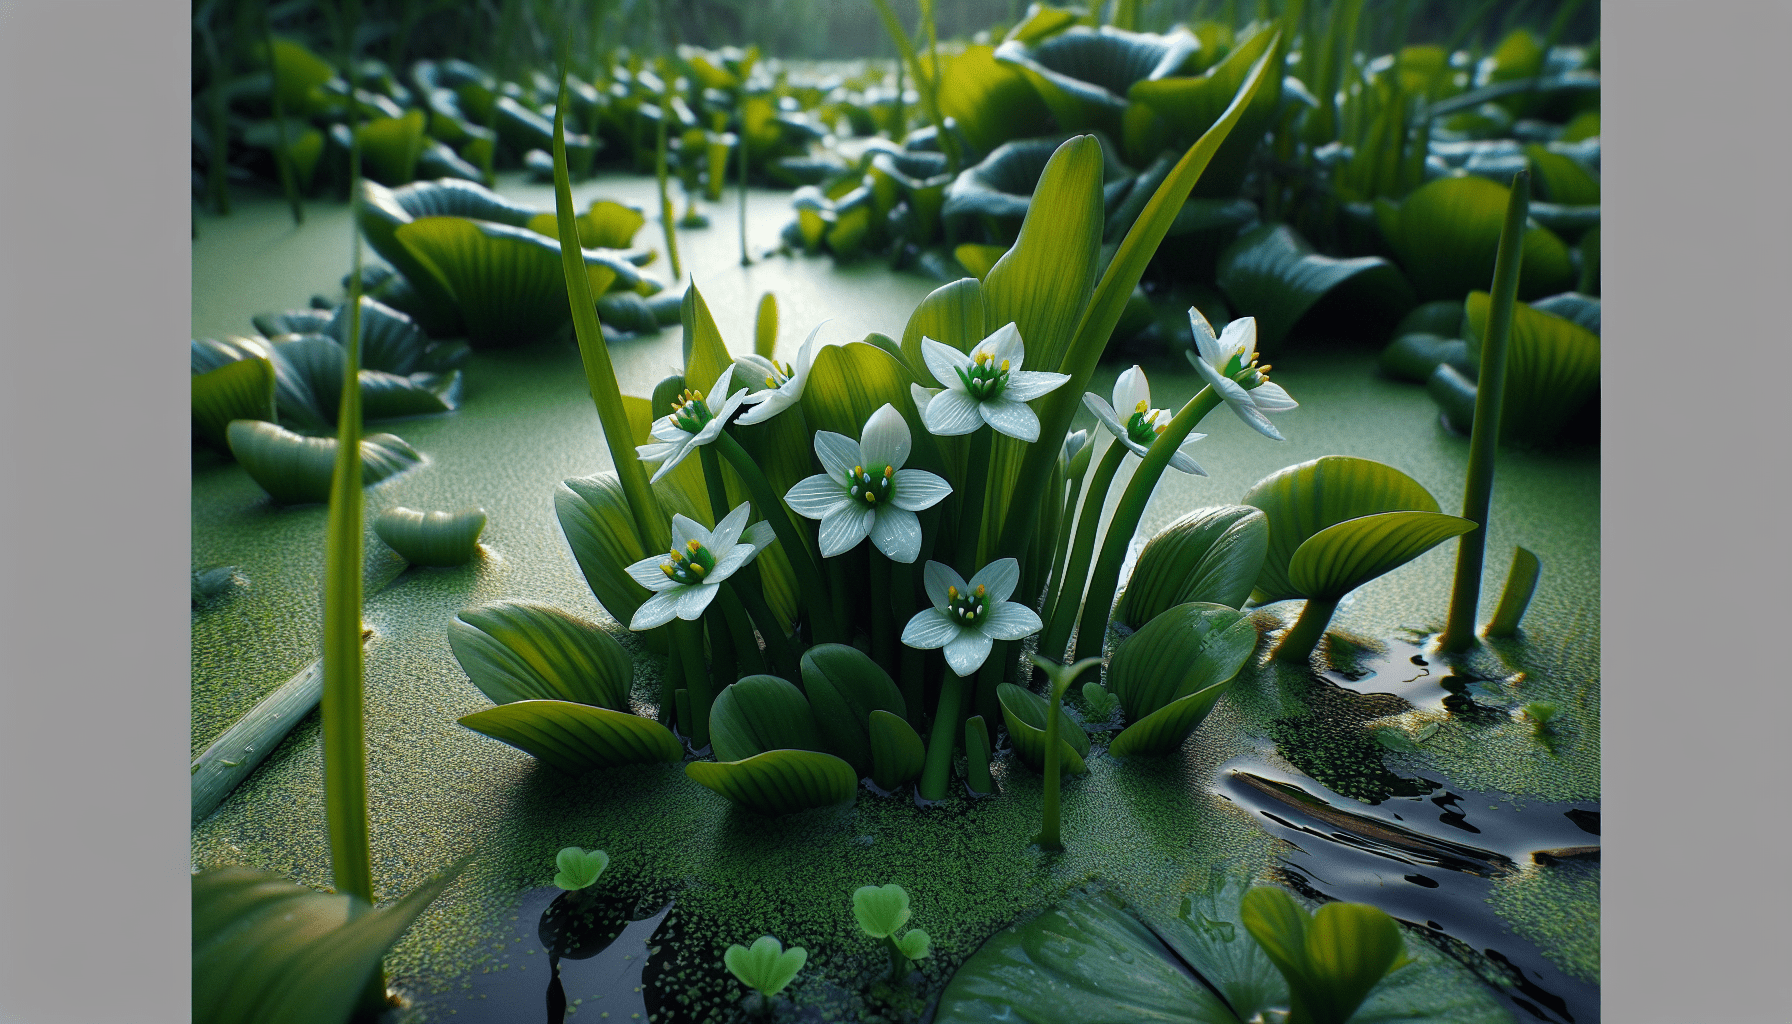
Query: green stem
[[741, 141], [1100, 599], [1061, 548], [783, 657], [689, 637], [899, 964], [1061, 676], [837, 589], [808, 576], [1076, 572], [282, 156], [929, 93], [937, 770], [712, 481], [1298, 643], [970, 507], [1484, 439], [669, 682], [659, 172], [909, 660], [724, 667], [883, 629], [995, 668]]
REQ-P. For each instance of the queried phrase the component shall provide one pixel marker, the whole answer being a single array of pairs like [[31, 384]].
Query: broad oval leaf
[[1447, 232], [431, 538], [1305, 499], [1341, 558], [577, 738], [1211, 554], [779, 781], [1271, 273], [1415, 357], [1184, 650], [594, 514], [390, 147], [269, 951], [1350, 947], [295, 469], [239, 390], [1084, 74], [520, 650], [1165, 730], [1024, 711], [1191, 106], [845, 688], [847, 383], [1552, 369], [897, 753], [761, 713]]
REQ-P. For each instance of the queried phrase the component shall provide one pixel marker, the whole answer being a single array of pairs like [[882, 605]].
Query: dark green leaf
[[896, 750], [1447, 231], [1415, 357], [1552, 369], [845, 687], [1024, 711], [577, 738], [1186, 649], [1083, 74], [761, 713], [1210, 554], [1164, 730], [295, 469], [1271, 273], [595, 517], [431, 538], [240, 390], [779, 781]]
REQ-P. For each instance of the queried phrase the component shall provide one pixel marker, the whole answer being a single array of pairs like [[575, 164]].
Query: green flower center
[[1248, 375], [690, 566], [780, 375], [1143, 427], [871, 486], [965, 607], [985, 380], [690, 412]]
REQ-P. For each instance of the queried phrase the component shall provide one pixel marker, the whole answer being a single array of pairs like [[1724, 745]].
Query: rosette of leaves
[[561, 685], [1552, 366], [1085, 75], [383, 211], [1211, 555], [1024, 712], [918, 179], [295, 469], [769, 755], [1447, 232], [1273, 274], [998, 190], [1170, 673], [1191, 104]]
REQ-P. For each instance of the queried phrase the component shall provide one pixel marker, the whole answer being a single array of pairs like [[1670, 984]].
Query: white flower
[[967, 618], [1229, 363], [686, 580], [783, 384], [866, 492], [985, 386], [692, 423], [1141, 428]]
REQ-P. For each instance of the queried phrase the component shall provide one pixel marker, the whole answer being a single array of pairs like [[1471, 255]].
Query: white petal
[[1130, 389], [897, 533], [1212, 376], [669, 465], [657, 610], [1105, 412], [1010, 621], [767, 404], [936, 577], [922, 396], [916, 489], [843, 528], [804, 356], [885, 440], [998, 579], [761, 535], [1009, 417], [648, 573], [1256, 420], [838, 454], [693, 600], [758, 368], [930, 629], [685, 530], [1133, 446], [968, 652], [730, 563], [816, 496], [1004, 344], [721, 386], [1205, 343], [1183, 461], [951, 413], [1240, 338], [1028, 385], [944, 362], [658, 451], [1271, 397], [734, 402], [665, 429], [727, 532]]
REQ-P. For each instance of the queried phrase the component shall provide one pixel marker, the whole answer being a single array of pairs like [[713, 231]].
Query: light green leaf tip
[[881, 910], [579, 868], [915, 945], [767, 967]]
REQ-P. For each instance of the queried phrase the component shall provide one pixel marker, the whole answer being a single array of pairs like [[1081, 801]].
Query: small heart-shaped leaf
[[881, 910], [767, 967], [914, 945], [579, 868]]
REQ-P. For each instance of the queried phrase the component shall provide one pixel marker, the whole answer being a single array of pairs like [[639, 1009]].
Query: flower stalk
[[1061, 677], [1068, 600], [808, 576], [659, 172]]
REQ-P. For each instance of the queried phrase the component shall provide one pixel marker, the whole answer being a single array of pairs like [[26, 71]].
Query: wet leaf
[[1166, 729], [599, 527], [577, 738], [881, 910], [1552, 369], [1084, 74], [847, 383], [521, 650], [1186, 649]]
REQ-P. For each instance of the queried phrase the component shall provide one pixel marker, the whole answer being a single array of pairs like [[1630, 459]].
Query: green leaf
[[846, 688], [1187, 649], [761, 713], [507, 281], [1211, 554], [1083, 74], [299, 76], [1454, 393], [705, 354], [1447, 232], [267, 951], [1350, 946], [779, 781], [240, 390], [951, 314], [1563, 179], [765, 326], [1521, 583], [1003, 185], [1415, 357], [520, 650], [897, 753], [991, 101], [1280, 927], [1064, 967], [914, 945], [977, 753], [1166, 729], [1302, 500], [767, 967], [1024, 711], [1442, 317], [431, 538], [1581, 309], [1209, 934], [1043, 21], [295, 469], [1343, 557], [1552, 369], [390, 147], [1194, 106], [607, 224], [579, 868], [918, 178], [977, 259], [847, 383], [390, 340], [577, 738], [1271, 273], [595, 517], [881, 910]]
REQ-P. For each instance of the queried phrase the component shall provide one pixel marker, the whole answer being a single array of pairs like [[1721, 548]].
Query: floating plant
[[295, 469], [767, 967], [881, 911], [579, 868]]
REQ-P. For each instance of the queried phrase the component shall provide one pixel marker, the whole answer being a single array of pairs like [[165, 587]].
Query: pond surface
[[1153, 829]]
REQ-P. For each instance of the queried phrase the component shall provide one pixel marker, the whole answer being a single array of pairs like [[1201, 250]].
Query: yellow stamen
[[889, 471], [692, 545], [697, 567], [1004, 366], [770, 383], [952, 592], [980, 590], [667, 569], [870, 498], [1143, 406]]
